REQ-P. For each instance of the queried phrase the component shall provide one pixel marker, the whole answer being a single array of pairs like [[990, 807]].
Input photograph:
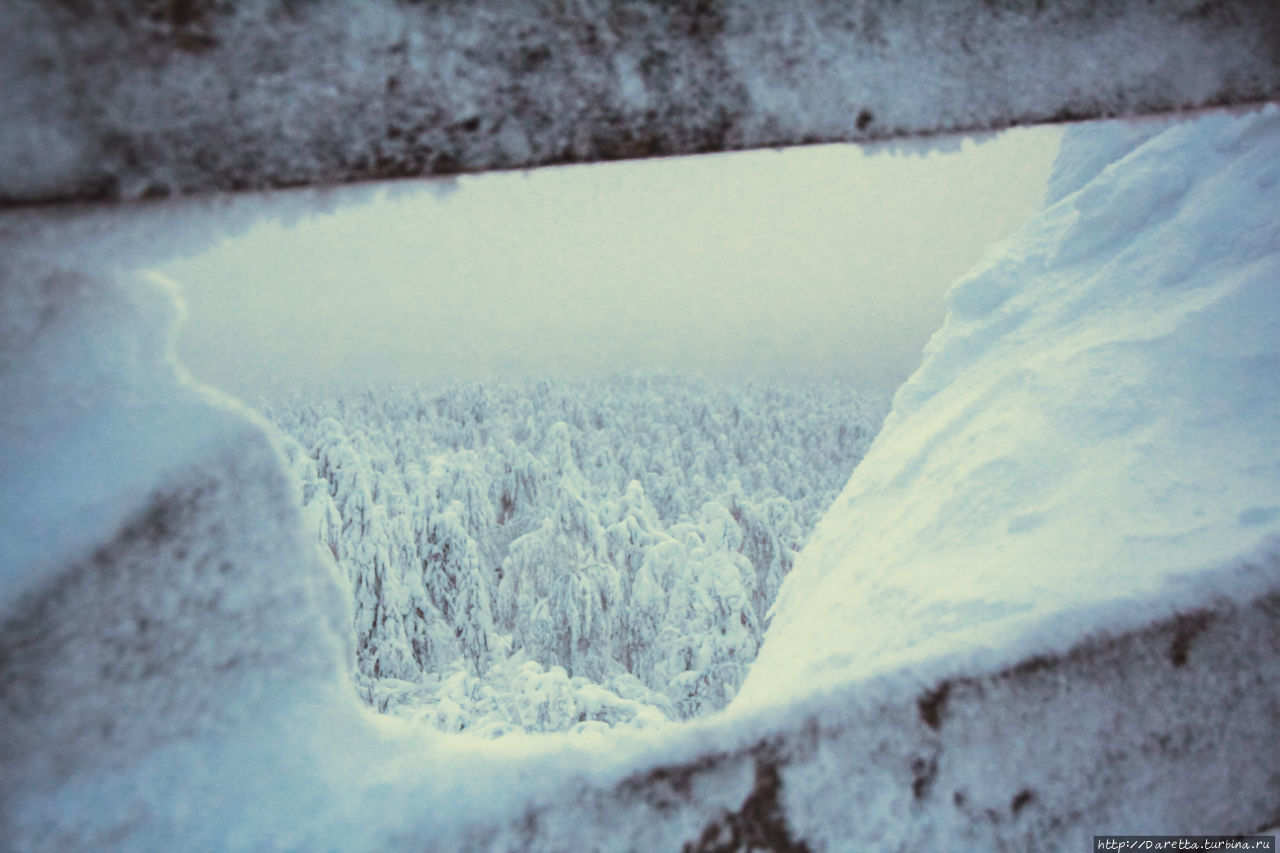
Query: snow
[[88, 371], [57, 409], [203, 97], [608, 530], [1090, 443], [1087, 449], [176, 655]]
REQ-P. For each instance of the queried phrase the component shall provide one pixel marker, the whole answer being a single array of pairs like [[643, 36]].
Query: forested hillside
[[549, 557]]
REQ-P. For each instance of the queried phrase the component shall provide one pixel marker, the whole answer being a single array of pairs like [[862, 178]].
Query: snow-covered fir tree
[[551, 557]]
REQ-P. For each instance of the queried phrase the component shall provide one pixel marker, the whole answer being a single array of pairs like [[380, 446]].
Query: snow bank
[[1090, 443], [97, 411]]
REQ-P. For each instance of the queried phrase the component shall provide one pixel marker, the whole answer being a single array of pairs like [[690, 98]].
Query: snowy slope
[[1091, 442]]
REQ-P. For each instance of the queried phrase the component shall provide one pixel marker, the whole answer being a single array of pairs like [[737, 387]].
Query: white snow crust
[[96, 410], [1090, 443]]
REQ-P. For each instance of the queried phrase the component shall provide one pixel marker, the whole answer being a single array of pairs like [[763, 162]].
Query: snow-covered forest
[[550, 557], [1043, 605]]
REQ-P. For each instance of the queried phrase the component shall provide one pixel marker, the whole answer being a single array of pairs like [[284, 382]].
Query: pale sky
[[820, 262]]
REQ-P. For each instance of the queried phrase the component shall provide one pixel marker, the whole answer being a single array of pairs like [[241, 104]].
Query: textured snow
[[1090, 443], [64, 405], [161, 99], [87, 370]]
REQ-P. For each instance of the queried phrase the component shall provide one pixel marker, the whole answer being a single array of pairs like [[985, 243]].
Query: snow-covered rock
[[120, 100], [1091, 442], [1044, 607]]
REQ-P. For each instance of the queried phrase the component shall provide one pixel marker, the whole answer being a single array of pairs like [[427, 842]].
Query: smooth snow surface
[[1091, 442]]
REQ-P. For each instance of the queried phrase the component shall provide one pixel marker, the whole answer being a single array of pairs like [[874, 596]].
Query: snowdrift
[[1091, 442], [1047, 605]]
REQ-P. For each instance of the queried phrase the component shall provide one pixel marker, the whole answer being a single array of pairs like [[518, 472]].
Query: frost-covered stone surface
[[1044, 607], [137, 98]]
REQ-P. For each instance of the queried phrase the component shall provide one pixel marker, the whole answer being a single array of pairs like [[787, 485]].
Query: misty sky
[[820, 262]]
